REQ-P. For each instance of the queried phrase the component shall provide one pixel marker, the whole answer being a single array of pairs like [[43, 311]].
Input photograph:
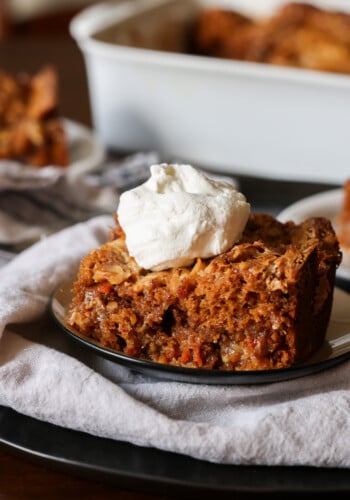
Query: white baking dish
[[237, 117]]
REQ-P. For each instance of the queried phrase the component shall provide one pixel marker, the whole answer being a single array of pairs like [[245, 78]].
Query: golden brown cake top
[[265, 240]]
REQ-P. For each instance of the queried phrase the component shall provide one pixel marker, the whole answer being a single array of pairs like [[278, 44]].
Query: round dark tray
[[152, 470]]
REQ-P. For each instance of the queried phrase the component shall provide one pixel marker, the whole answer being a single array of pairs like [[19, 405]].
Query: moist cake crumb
[[263, 304]]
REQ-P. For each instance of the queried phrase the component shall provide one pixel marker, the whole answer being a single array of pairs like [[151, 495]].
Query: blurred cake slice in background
[[31, 130]]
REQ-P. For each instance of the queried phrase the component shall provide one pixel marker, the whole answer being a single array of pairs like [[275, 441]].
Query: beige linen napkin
[[303, 421]]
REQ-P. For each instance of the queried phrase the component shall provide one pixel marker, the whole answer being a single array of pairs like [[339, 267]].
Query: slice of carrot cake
[[262, 303]]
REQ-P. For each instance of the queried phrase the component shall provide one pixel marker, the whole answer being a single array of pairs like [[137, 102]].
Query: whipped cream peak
[[180, 214]]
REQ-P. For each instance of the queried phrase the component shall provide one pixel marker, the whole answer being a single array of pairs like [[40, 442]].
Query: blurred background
[[36, 32], [35, 17]]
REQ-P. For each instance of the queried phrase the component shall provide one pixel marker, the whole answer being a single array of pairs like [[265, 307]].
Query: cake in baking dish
[[263, 304], [297, 35]]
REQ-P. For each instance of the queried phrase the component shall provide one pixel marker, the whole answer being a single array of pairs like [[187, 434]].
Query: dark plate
[[157, 471], [336, 349]]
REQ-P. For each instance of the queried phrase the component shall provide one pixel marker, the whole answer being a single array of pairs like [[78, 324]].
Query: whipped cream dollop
[[180, 214]]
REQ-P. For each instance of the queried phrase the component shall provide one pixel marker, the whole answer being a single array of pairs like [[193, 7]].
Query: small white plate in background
[[326, 204], [85, 151]]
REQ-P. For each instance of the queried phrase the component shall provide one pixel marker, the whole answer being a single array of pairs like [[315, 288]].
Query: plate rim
[[322, 196], [183, 374], [74, 130], [154, 470], [98, 150], [330, 200]]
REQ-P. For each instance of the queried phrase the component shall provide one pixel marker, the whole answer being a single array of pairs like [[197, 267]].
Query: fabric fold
[[42, 374]]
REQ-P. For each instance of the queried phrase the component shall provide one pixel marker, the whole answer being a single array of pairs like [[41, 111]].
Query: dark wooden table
[[20, 477]]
